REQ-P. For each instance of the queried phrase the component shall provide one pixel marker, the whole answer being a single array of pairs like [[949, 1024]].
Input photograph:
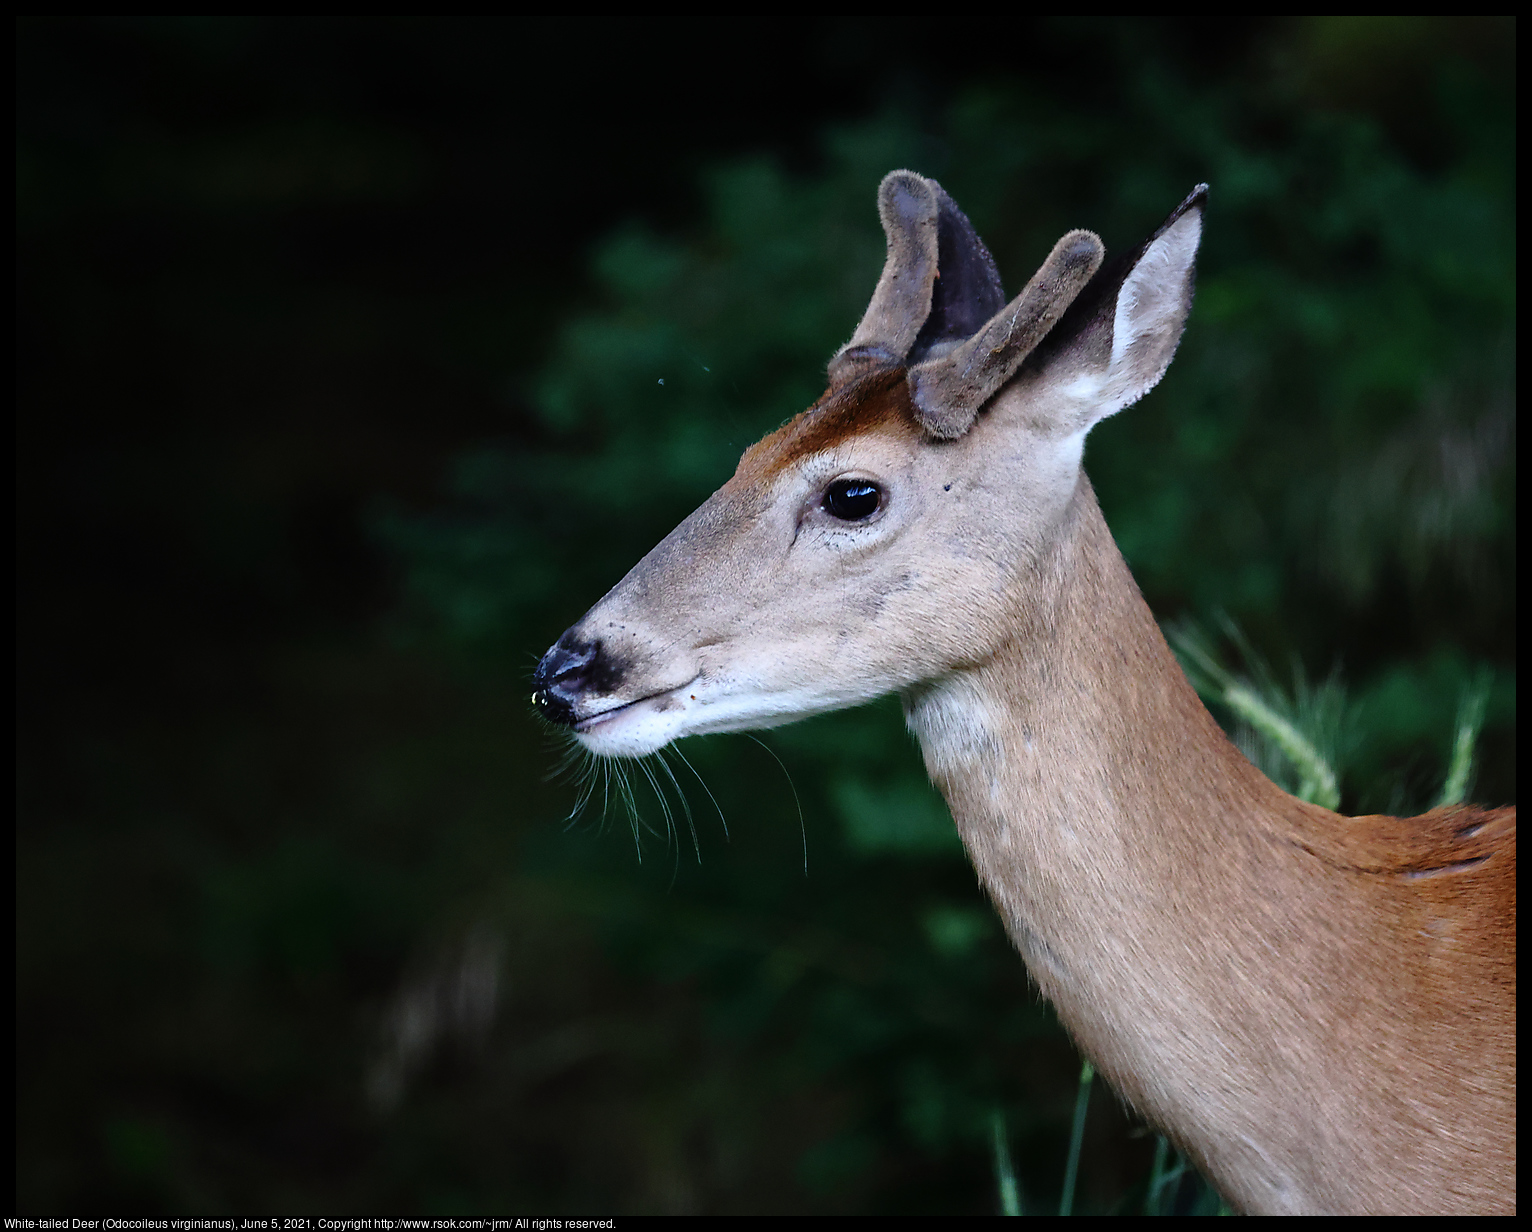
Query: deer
[[1319, 1010]]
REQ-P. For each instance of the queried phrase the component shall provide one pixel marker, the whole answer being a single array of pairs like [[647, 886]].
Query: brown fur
[[1320, 1009], [872, 402]]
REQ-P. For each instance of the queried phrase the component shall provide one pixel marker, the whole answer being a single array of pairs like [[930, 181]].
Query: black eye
[[852, 500]]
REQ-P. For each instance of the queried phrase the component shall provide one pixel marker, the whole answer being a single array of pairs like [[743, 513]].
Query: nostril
[[570, 669], [565, 663]]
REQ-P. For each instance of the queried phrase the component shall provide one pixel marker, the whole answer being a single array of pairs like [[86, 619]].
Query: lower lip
[[596, 720]]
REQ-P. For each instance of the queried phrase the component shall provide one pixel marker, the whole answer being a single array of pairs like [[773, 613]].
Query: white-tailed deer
[[1319, 1009]]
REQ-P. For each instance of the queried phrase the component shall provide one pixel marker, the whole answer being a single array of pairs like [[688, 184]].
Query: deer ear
[[1152, 305], [1118, 338], [967, 291]]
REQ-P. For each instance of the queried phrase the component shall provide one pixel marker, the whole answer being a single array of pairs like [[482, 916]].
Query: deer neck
[[1101, 804]]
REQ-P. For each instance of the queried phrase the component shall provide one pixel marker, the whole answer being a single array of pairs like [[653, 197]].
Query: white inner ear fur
[[1151, 313]]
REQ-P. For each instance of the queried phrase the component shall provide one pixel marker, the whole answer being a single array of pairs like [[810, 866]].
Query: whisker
[[577, 763], [670, 828], [590, 771], [670, 825], [581, 800], [625, 789], [684, 761], [802, 829], [585, 780], [671, 837], [686, 807], [569, 754]]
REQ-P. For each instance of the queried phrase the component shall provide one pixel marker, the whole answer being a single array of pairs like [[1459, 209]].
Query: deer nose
[[566, 671]]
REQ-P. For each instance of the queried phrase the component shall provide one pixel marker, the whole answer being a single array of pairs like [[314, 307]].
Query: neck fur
[[1121, 836]]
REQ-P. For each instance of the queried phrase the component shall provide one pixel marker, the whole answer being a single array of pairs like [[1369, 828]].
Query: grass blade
[[1076, 1138], [1005, 1171], [1470, 722]]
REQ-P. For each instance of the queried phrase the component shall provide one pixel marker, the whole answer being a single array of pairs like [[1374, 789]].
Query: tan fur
[[1319, 1009], [1280, 988]]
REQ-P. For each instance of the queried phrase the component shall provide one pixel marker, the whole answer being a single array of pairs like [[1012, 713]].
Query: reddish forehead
[[878, 402]]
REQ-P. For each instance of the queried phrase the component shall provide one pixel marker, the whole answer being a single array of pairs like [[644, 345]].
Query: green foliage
[[1470, 722], [1308, 740], [1294, 742], [1076, 1139]]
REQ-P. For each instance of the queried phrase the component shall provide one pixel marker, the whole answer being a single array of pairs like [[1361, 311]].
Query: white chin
[[634, 731], [644, 727]]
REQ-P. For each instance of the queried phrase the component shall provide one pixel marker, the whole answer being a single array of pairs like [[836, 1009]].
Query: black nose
[[569, 669]]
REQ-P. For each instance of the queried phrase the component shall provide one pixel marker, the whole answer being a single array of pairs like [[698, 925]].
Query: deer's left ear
[[1152, 305], [1118, 338]]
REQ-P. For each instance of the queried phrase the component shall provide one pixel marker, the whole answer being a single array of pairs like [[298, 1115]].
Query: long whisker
[[676, 750], [625, 789], [671, 831], [802, 829], [686, 807], [672, 836], [586, 781], [573, 751], [654, 786]]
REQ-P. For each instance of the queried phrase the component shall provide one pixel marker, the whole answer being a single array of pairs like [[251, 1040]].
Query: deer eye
[[852, 500]]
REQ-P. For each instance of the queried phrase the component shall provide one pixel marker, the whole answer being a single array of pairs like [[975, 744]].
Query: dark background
[[339, 359]]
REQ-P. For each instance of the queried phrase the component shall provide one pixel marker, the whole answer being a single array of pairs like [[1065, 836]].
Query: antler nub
[[949, 391], [907, 205]]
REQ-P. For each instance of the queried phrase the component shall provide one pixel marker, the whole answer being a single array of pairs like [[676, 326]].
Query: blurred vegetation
[[338, 406]]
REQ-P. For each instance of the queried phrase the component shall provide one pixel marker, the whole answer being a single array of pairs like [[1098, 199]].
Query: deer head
[[897, 530]]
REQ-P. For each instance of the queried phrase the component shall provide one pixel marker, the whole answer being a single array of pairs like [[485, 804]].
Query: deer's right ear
[[1117, 339]]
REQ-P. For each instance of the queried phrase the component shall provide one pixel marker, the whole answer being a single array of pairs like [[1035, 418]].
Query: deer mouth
[[658, 702]]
